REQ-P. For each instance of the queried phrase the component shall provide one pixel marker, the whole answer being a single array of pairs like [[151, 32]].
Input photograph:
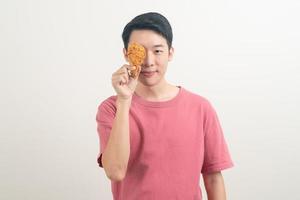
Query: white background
[[56, 61]]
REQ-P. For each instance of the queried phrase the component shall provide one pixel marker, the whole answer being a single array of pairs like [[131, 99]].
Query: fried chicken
[[136, 55]]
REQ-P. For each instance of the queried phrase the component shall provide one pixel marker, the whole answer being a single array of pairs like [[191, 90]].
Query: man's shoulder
[[108, 103], [199, 101], [196, 97]]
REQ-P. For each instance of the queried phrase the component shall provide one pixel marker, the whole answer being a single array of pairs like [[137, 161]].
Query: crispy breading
[[136, 55]]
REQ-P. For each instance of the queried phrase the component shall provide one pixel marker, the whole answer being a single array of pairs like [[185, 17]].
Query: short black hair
[[149, 21]]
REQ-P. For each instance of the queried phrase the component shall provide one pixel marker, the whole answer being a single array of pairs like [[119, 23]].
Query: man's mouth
[[148, 73]]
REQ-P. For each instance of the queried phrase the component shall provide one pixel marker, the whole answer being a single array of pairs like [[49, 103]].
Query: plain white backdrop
[[56, 61]]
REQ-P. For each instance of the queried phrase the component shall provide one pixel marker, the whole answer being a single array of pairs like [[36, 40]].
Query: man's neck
[[161, 92]]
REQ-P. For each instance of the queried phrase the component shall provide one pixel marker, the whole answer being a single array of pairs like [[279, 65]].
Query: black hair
[[149, 21]]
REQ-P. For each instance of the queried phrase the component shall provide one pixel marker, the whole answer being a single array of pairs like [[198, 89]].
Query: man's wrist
[[123, 102]]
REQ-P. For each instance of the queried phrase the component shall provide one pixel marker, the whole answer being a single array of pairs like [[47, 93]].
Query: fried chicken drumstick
[[136, 55]]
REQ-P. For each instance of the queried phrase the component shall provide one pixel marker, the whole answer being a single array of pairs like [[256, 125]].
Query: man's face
[[157, 56]]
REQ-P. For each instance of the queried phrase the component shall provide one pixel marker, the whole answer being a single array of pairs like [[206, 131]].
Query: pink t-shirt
[[171, 144]]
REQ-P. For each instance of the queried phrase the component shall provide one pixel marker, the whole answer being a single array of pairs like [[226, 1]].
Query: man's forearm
[[116, 154], [214, 185]]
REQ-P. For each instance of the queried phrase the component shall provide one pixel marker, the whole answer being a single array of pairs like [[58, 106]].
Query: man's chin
[[149, 83]]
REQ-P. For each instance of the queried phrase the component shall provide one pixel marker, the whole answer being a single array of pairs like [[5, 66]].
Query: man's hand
[[123, 84]]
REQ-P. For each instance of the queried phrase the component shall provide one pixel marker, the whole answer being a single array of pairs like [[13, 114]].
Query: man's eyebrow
[[158, 45]]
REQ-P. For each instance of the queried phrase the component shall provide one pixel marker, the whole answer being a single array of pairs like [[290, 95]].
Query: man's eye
[[158, 51]]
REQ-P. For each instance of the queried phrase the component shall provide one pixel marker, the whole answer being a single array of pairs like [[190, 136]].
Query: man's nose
[[149, 60]]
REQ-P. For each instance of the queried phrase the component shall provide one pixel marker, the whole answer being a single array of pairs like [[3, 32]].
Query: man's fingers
[[125, 73], [124, 79]]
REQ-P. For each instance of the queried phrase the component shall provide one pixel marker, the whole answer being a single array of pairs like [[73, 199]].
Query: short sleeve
[[104, 118], [216, 153]]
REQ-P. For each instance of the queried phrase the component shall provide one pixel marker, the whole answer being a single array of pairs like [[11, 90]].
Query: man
[[157, 138]]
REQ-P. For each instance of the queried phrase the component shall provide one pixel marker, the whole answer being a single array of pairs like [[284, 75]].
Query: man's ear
[[125, 54], [171, 53]]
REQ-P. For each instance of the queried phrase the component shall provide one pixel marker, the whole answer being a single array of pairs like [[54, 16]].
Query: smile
[[148, 74]]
